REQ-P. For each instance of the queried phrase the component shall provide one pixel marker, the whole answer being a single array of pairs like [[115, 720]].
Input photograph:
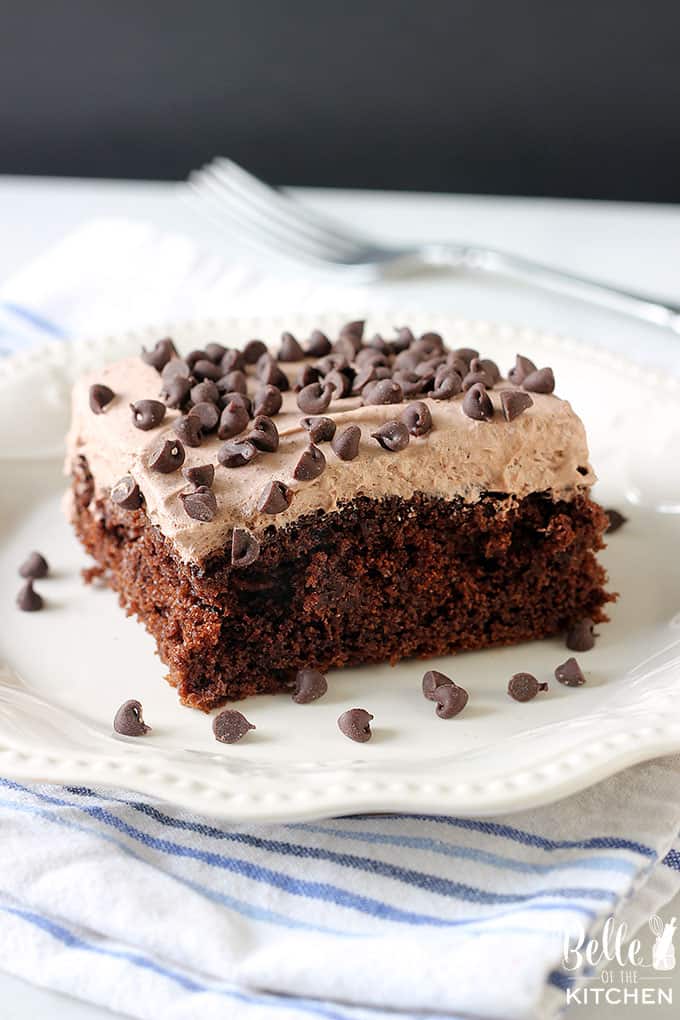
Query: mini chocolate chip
[[321, 430], [488, 366], [264, 434], [580, 636], [28, 600], [188, 429], [162, 352], [345, 444], [271, 374], [241, 399], [466, 354], [433, 679], [199, 504], [513, 403], [310, 685], [206, 370], [331, 362], [392, 436], [236, 453], [318, 344], [451, 700], [378, 343], [524, 687], [314, 398], [100, 397], [347, 347], [429, 343], [176, 368], [384, 391], [201, 476], [215, 352], [147, 414], [402, 340], [194, 356], [477, 404], [234, 382], [126, 494], [616, 521], [253, 351], [167, 457], [354, 329], [175, 392], [340, 383], [364, 376], [520, 370], [417, 418], [368, 356], [208, 414], [542, 381], [355, 723], [406, 361], [205, 391], [311, 464], [290, 349], [447, 385], [570, 674], [411, 384], [275, 498], [128, 720], [472, 378], [233, 361], [234, 419], [34, 567], [245, 548], [267, 400], [306, 375], [230, 726]]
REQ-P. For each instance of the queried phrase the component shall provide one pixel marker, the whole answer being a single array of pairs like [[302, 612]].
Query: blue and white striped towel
[[151, 911]]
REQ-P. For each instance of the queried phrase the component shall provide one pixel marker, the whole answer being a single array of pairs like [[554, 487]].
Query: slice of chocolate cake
[[360, 502]]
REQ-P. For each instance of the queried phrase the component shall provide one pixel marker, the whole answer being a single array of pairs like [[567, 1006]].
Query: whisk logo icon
[[663, 950]]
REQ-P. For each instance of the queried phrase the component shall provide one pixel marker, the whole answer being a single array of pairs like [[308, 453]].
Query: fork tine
[[287, 210], [252, 219]]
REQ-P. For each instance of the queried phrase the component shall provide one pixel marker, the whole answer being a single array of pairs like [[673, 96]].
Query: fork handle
[[641, 306]]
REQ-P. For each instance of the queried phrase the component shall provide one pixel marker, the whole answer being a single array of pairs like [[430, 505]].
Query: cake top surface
[[406, 415]]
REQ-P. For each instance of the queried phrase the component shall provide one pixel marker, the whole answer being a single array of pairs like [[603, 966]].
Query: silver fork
[[276, 223]]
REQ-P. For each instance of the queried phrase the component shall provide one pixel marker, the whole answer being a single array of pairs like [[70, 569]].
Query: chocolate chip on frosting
[[488, 366], [233, 382], [241, 399], [245, 548], [392, 436], [215, 352], [340, 383], [253, 351], [28, 600], [580, 636], [126, 494], [447, 385], [168, 456], [513, 403], [147, 414], [355, 723], [162, 352], [541, 381], [234, 419], [318, 344], [233, 361], [345, 444], [100, 397], [616, 521], [433, 679], [403, 339], [466, 354], [34, 567], [384, 391], [521, 369], [275, 498], [314, 398], [321, 430], [205, 370], [290, 349], [236, 453], [570, 674], [205, 391], [264, 434], [477, 404], [128, 720], [310, 685], [188, 429], [208, 415], [311, 464], [451, 700], [524, 686], [176, 368], [271, 374], [267, 400], [307, 374], [175, 392], [200, 504], [203, 475], [230, 726], [417, 418]]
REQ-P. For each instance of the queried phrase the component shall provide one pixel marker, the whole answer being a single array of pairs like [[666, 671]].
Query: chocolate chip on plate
[[355, 723], [310, 685], [267, 400], [230, 726], [275, 498], [234, 419], [393, 436], [201, 475], [417, 418], [345, 444], [147, 414], [451, 700], [126, 494], [570, 673], [28, 600], [513, 403], [433, 679], [245, 548], [236, 453], [477, 403], [311, 464], [315, 398], [100, 397], [580, 636], [541, 381], [34, 567], [168, 456], [321, 430], [159, 356], [128, 720], [616, 521], [199, 504], [524, 687]]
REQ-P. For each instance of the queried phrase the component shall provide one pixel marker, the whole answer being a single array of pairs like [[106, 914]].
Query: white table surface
[[628, 244]]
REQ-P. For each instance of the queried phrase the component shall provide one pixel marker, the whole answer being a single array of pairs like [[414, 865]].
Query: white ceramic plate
[[65, 671]]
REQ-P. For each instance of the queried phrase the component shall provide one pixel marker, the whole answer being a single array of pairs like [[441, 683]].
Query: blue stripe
[[672, 860], [35, 319]]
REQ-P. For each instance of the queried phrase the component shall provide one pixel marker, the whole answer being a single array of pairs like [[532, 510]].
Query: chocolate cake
[[338, 503]]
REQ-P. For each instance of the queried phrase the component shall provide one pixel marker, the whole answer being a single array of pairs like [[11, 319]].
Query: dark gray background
[[541, 98]]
